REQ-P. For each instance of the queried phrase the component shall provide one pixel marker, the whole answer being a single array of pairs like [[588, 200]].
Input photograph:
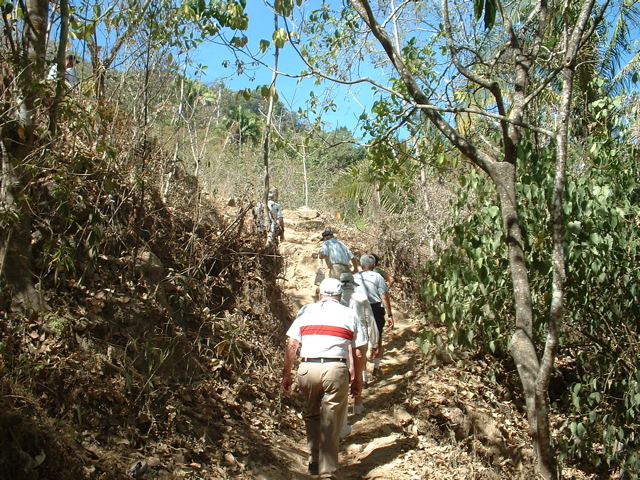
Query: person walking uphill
[[374, 286], [357, 301], [337, 255], [324, 331], [276, 218]]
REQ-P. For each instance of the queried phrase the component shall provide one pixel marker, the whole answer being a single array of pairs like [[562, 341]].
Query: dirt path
[[377, 447], [433, 416]]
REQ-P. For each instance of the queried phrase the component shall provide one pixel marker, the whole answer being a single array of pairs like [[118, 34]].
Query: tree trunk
[[60, 59], [17, 145], [15, 252], [271, 239]]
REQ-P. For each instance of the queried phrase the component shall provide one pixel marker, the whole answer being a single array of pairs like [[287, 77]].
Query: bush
[[471, 293]]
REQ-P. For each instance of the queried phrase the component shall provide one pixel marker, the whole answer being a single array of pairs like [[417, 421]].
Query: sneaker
[[346, 431], [358, 409], [314, 468]]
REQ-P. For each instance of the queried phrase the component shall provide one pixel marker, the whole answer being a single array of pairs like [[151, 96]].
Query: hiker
[[323, 331], [276, 218], [387, 277], [374, 286], [337, 256], [71, 77], [357, 301]]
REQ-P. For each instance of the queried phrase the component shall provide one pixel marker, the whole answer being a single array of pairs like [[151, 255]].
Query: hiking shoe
[[346, 431], [314, 468], [358, 409]]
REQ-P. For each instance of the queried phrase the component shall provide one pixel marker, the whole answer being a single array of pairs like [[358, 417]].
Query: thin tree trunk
[[266, 143], [304, 169], [60, 60]]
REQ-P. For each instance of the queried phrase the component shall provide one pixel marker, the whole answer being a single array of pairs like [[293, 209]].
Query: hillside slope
[[179, 378]]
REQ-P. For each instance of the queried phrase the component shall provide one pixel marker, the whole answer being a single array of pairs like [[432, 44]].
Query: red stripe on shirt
[[327, 330]]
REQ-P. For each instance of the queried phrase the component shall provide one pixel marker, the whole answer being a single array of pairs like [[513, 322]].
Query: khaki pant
[[337, 269], [326, 389]]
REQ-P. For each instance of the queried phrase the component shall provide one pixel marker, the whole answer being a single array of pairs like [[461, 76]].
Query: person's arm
[[387, 308], [354, 262], [321, 255], [352, 371], [290, 354], [358, 364], [389, 279]]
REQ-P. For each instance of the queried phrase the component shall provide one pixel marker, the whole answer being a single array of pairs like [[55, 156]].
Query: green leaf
[[478, 6], [280, 37], [490, 9], [240, 41], [494, 211], [574, 227]]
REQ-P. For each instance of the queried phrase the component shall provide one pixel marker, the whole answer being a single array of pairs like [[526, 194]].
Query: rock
[[149, 266], [229, 459], [402, 417], [306, 213], [138, 469]]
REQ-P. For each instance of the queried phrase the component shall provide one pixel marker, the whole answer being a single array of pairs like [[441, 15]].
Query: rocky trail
[[424, 417]]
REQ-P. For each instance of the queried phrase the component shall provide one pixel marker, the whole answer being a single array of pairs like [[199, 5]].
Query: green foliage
[[243, 124], [603, 251], [216, 14], [489, 8], [469, 290], [57, 323], [467, 287]]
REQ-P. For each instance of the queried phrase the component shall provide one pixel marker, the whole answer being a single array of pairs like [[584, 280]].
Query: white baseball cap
[[331, 287]]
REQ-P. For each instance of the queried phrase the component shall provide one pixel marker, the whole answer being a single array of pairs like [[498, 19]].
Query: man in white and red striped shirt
[[324, 331]]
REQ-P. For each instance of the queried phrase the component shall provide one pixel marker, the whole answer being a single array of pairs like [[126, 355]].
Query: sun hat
[[331, 287], [347, 277]]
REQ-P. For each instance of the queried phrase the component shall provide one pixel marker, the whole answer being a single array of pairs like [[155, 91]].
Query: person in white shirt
[[357, 300], [324, 331], [71, 76], [337, 255], [276, 217], [374, 286]]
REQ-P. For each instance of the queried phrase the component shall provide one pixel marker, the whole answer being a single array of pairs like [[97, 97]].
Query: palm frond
[[614, 63]]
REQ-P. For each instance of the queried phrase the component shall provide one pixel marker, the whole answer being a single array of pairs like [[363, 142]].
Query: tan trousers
[[326, 389], [337, 269]]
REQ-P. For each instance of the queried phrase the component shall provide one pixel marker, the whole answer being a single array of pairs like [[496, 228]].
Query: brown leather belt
[[324, 360]]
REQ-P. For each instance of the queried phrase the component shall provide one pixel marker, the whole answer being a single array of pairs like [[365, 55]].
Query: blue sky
[[292, 93]]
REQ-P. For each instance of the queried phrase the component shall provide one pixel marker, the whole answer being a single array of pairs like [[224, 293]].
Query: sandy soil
[[386, 442]]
